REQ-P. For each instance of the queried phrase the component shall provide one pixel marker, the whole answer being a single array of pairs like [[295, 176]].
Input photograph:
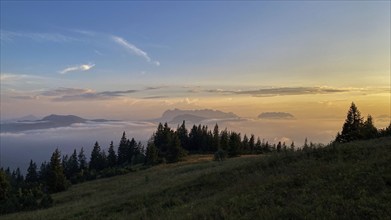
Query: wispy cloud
[[281, 91], [133, 49], [39, 37], [65, 91], [75, 94], [83, 67]]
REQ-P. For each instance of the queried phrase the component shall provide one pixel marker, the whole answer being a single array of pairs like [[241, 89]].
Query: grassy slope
[[348, 181]]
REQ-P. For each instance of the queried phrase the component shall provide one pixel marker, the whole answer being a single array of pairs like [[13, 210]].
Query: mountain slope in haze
[[51, 121], [342, 181]]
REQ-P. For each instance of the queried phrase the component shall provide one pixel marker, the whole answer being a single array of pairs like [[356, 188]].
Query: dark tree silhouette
[[56, 180], [98, 158], [352, 126], [112, 157], [368, 130], [82, 159], [123, 150], [234, 144], [152, 154], [32, 174], [183, 135], [216, 137]]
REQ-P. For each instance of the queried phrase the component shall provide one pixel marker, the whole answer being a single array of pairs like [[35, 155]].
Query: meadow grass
[[346, 181]]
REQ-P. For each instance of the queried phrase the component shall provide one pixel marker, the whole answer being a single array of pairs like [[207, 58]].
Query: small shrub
[[220, 155]]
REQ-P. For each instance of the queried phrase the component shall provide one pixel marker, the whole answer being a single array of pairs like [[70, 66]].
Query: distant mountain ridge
[[176, 116], [50, 121], [64, 119]]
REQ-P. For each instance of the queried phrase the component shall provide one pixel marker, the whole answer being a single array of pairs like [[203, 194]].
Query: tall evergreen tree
[[224, 139], [123, 150], [245, 143], [32, 174], [234, 144], [112, 157], [131, 150], [352, 126], [183, 135], [56, 181], [72, 167], [44, 171], [251, 143], [97, 161], [216, 137], [5, 186], [174, 151], [152, 154], [369, 130], [82, 159]]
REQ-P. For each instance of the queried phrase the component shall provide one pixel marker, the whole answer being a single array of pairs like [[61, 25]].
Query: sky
[[134, 60]]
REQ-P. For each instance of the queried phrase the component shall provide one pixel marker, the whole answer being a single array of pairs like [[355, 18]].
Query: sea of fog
[[17, 149]]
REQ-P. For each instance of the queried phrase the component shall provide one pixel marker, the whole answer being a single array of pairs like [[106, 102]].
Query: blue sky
[[194, 55]]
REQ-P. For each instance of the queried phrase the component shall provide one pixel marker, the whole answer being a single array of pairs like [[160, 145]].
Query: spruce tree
[[216, 137], [251, 143], [5, 186], [123, 150], [245, 143], [224, 140], [152, 154], [234, 144], [96, 158], [112, 157], [56, 181], [44, 172], [174, 151], [32, 174], [183, 135], [73, 167], [368, 130], [351, 129], [82, 159]]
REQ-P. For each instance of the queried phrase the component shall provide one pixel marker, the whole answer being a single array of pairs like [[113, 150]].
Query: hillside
[[346, 181]]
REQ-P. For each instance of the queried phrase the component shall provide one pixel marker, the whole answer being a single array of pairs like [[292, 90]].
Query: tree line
[[19, 193]]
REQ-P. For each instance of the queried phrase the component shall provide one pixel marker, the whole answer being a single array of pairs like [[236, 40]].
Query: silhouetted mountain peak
[[64, 119], [170, 115]]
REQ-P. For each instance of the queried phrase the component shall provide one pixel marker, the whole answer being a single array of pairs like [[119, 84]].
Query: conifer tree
[[245, 144], [96, 161], [224, 139], [251, 143], [368, 129], [44, 172], [234, 144], [216, 137], [32, 174], [174, 151], [279, 146], [72, 167], [152, 154], [56, 181], [82, 159], [292, 146], [351, 129], [183, 135], [112, 157], [5, 186], [131, 150], [123, 150]]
